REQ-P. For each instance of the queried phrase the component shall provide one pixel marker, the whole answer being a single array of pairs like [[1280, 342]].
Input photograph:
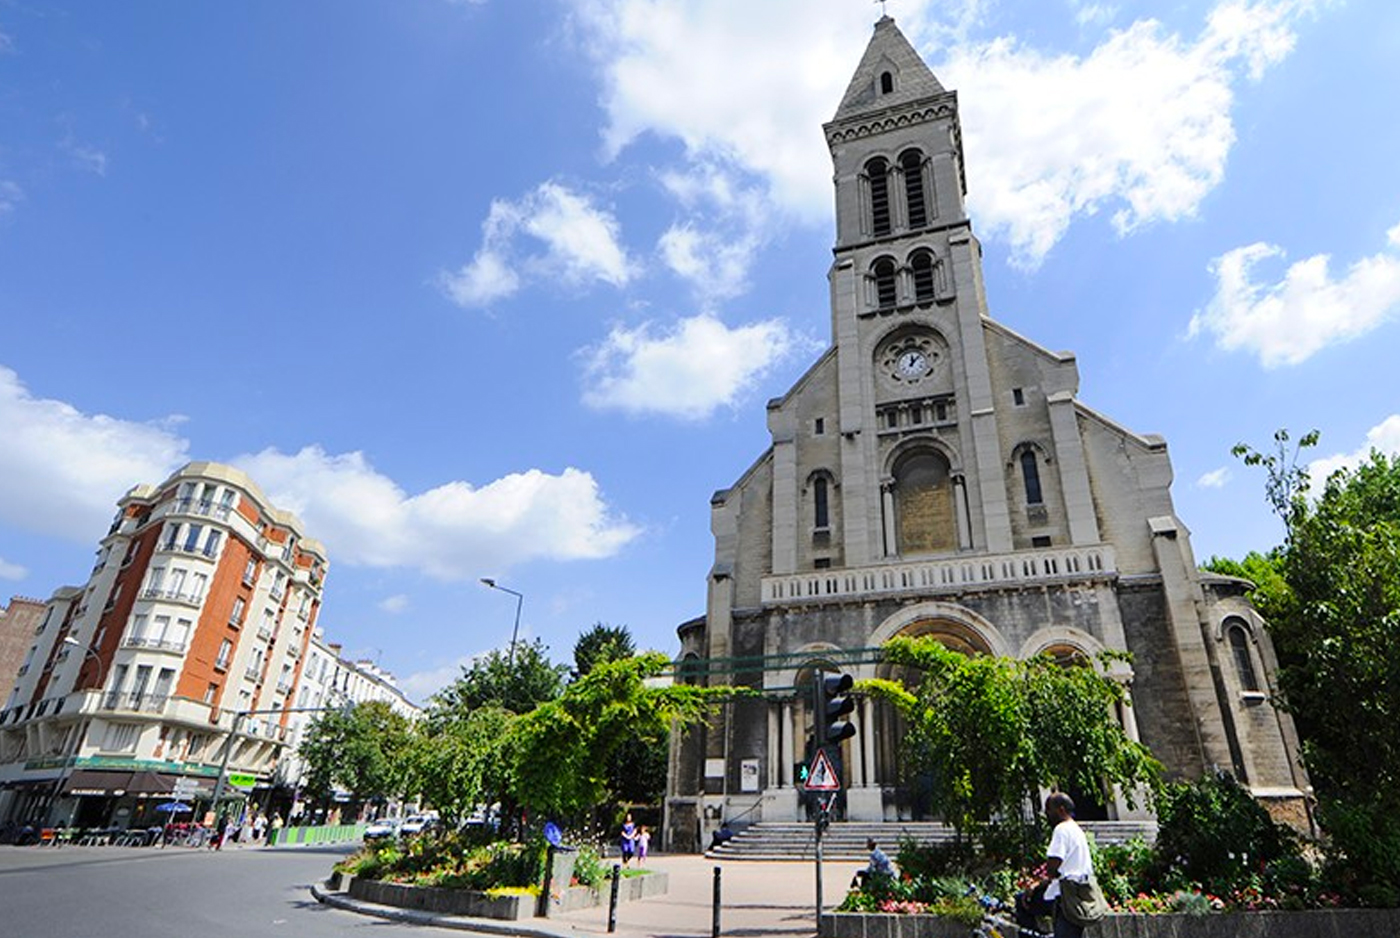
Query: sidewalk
[[757, 898]]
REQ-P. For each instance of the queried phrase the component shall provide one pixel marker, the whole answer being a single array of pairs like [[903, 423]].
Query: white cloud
[[1140, 126], [1094, 14], [581, 244], [1384, 436], [11, 571], [715, 247], [64, 470], [450, 532], [394, 604], [421, 685], [688, 372], [1215, 479], [10, 196], [89, 159], [1288, 321]]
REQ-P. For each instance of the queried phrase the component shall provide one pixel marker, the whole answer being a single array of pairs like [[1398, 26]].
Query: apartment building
[[328, 681], [195, 620], [17, 624]]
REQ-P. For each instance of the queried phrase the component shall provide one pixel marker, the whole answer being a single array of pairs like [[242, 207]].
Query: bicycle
[[996, 924]]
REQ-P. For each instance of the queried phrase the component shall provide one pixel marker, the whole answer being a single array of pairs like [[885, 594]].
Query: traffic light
[[834, 701]]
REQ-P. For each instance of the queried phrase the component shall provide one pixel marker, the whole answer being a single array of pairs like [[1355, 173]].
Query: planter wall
[[480, 905], [443, 901], [1331, 923]]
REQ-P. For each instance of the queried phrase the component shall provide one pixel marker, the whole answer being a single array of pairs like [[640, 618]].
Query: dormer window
[[886, 83]]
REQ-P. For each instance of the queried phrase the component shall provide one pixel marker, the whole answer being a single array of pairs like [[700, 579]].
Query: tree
[[563, 748], [602, 643], [1336, 632], [495, 679], [1271, 593], [989, 733], [359, 749], [459, 764]]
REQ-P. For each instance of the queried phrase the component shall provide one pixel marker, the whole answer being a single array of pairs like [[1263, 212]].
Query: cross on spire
[[883, 11]]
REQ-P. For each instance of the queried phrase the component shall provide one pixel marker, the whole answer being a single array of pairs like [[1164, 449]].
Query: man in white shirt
[[1067, 858]]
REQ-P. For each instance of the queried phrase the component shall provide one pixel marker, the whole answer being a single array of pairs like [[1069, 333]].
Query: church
[[934, 473]]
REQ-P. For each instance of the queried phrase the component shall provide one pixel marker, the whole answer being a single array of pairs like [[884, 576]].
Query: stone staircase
[[846, 840]]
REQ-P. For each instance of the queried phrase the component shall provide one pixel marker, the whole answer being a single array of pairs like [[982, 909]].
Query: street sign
[[185, 788], [242, 781], [821, 776]]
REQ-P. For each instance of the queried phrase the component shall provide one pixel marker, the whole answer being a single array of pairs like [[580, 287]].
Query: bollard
[[714, 921], [542, 907], [612, 899]]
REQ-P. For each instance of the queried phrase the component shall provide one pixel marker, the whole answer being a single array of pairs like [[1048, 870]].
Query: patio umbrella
[[174, 807]]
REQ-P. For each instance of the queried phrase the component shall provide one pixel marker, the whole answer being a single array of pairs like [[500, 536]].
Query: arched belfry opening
[[924, 505]]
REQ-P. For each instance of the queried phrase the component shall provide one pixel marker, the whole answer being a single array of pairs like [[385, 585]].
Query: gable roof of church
[[888, 51]]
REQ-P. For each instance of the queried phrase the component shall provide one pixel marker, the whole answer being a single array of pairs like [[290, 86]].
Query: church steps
[[846, 840]]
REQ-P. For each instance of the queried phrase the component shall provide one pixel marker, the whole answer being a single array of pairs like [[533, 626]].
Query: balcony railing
[[294, 651], [278, 592], [948, 575], [264, 633], [175, 596], [190, 506], [135, 703], [253, 673], [154, 644]]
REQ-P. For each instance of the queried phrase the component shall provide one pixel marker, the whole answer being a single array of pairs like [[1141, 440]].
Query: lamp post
[[519, 601], [88, 652]]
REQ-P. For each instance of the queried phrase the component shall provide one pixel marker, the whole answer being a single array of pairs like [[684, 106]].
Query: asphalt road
[[126, 892]]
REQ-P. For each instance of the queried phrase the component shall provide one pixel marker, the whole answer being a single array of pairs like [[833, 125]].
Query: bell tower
[[922, 460]]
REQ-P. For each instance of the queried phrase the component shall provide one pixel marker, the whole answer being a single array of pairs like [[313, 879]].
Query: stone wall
[[1331, 923]]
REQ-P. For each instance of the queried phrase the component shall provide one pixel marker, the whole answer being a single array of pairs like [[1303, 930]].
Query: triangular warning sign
[[822, 777]]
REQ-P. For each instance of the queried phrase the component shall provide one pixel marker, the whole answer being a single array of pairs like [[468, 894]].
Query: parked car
[[417, 824], [383, 829]]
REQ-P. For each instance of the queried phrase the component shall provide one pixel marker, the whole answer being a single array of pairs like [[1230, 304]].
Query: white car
[[383, 829], [417, 824]]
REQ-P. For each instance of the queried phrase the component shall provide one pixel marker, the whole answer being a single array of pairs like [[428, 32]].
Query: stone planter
[[1328, 923], [480, 905], [443, 901]]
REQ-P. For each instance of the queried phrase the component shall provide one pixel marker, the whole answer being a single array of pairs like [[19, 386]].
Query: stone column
[[887, 516], [964, 520], [775, 734], [785, 726]]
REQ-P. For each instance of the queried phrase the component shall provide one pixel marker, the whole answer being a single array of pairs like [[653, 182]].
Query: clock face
[[912, 363]]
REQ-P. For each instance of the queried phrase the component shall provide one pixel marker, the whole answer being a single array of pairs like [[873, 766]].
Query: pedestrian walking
[[628, 841], [643, 844]]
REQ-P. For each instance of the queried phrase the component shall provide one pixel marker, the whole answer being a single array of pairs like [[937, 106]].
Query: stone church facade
[[934, 473]]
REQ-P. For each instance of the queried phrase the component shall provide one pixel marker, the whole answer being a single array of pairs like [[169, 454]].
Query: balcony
[[202, 507], [293, 651], [173, 596], [253, 673], [949, 575], [264, 633], [153, 644], [277, 592], [135, 703]]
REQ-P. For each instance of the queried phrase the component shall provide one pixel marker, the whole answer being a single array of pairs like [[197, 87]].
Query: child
[[643, 842]]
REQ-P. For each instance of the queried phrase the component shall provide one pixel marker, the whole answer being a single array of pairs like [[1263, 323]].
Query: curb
[[418, 917]]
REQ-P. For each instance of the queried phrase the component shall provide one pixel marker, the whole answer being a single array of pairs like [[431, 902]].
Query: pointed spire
[[889, 54]]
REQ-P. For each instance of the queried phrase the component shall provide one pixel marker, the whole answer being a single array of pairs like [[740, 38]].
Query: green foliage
[[589, 867], [602, 643], [990, 732], [359, 749], [562, 750], [1123, 870], [447, 860], [1213, 833], [459, 762], [1335, 633], [496, 679]]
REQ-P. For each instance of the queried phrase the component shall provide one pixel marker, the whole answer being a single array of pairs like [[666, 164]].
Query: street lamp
[[519, 601], [88, 653], [63, 771]]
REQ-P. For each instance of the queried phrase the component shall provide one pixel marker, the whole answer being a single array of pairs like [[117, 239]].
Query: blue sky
[[500, 289]]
